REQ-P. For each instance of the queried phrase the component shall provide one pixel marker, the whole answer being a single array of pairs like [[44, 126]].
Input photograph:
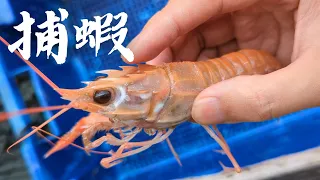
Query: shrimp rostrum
[[153, 99]]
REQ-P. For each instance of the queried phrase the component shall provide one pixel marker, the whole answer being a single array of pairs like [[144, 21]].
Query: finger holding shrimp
[[174, 23], [258, 98], [183, 30]]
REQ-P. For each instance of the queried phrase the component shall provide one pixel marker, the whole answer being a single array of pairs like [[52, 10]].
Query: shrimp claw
[[81, 128]]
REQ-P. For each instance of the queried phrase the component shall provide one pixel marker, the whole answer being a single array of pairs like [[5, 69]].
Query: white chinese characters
[[97, 26], [25, 26], [51, 37], [95, 32]]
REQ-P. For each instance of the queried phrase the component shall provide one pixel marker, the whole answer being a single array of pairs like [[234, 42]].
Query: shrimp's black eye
[[102, 96]]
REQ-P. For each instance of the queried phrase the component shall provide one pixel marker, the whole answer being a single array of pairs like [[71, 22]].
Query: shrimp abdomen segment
[[243, 62]]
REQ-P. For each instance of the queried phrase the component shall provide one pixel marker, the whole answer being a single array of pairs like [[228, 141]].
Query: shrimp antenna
[[50, 83], [7, 115], [44, 77], [39, 127], [4, 116]]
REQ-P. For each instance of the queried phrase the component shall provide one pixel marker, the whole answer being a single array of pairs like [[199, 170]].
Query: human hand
[[198, 30]]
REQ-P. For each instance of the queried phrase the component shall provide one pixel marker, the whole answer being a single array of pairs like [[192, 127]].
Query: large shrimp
[[155, 99]]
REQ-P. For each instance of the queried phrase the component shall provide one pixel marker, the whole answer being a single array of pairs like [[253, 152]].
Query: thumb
[[259, 97]]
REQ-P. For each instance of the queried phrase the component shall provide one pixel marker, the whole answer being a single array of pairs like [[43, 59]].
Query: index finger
[[177, 18]]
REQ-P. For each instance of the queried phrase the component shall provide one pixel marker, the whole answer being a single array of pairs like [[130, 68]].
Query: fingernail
[[207, 111]]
